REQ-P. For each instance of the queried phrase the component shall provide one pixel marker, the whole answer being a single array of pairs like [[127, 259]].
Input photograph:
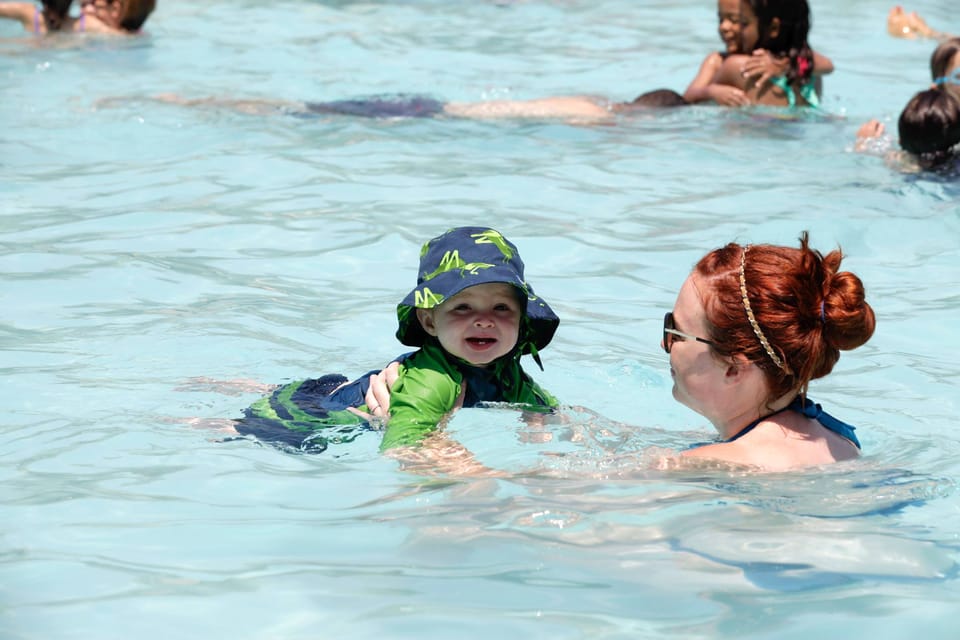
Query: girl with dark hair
[[767, 41], [945, 66]]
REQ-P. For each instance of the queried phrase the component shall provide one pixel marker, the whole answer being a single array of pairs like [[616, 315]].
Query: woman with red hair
[[751, 327]]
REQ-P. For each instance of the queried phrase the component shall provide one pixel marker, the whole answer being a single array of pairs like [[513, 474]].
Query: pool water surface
[[152, 251]]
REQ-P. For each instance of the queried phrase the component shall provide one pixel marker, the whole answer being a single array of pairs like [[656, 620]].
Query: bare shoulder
[[712, 59], [721, 456], [730, 71], [726, 451]]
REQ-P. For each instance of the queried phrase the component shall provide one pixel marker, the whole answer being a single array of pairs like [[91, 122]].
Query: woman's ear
[[425, 316], [774, 29], [737, 366]]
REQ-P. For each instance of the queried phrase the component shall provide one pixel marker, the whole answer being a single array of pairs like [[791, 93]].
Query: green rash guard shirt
[[307, 415], [430, 381]]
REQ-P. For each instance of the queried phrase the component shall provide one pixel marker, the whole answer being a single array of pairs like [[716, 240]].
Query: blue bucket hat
[[465, 257]]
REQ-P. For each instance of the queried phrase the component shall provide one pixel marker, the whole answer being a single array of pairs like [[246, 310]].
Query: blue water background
[[145, 246]]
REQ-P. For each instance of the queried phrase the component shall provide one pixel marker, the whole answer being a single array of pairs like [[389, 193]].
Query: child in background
[[766, 53], [472, 315], [929, 131], [96, 16], [572, 109], [945, 66], [929, 125], [52, 16], [120, 16], [901, 24]]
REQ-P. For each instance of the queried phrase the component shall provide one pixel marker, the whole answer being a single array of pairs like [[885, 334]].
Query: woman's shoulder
[[786, 442]]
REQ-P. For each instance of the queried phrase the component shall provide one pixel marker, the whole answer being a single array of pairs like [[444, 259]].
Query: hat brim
[[541, 322]]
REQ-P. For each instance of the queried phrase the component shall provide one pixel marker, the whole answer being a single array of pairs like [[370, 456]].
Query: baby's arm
[[21, 11], [420, 399]]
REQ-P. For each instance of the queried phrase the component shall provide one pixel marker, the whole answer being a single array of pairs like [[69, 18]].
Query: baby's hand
[[727, 96]]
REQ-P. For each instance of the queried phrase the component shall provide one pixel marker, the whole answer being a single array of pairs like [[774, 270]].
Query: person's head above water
[[945, 66], [658, 99], [738, 26], [929, 126], [784, 26], [55, 12], [945, 58], [128, 15], [780, 27], [477, 274], [787, 311]]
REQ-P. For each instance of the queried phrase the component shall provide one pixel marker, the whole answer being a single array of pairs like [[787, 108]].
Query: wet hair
[[804, 306], [658, 99], [790, 41], [133, 13], [136, 13], [55, 12], [929, 126], [941, 57]]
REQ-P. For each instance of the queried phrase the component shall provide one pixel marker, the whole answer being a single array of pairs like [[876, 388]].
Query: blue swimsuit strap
[[808, 409]]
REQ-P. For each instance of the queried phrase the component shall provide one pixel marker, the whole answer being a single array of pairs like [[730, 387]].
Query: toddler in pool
[[472, 315]]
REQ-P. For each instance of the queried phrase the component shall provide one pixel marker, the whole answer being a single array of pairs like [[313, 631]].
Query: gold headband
[[753, 321]]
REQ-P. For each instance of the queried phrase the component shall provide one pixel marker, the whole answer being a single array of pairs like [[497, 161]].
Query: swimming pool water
[[148, 249]]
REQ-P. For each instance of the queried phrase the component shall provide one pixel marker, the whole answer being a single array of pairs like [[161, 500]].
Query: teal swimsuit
[[810, 410], [807, 91]]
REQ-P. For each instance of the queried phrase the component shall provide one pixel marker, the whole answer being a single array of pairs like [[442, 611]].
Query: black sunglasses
[[670, 330]]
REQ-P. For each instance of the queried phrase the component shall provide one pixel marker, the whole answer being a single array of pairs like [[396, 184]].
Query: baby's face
[[739, 28], [479, 324]]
